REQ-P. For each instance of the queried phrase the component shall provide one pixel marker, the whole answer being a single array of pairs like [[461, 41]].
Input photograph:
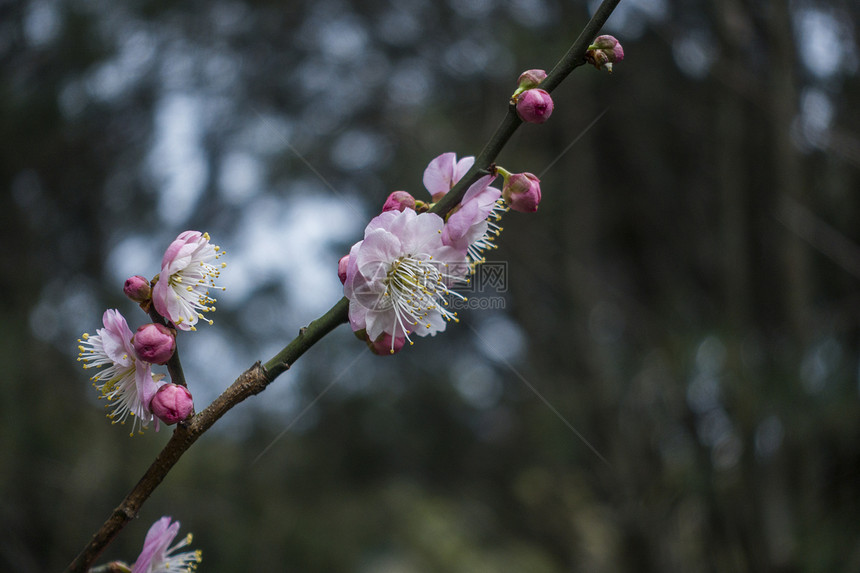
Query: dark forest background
[[685, 302]]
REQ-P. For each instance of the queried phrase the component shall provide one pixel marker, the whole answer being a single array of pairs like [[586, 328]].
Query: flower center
[[416, 286]]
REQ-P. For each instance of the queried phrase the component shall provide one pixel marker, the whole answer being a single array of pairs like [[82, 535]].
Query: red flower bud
[[341, 268], [604, 51], [522, 192], [399, 200], [154, 343], [531, 79], [172, 403], [137, 289], [534, 106], [383, 346]]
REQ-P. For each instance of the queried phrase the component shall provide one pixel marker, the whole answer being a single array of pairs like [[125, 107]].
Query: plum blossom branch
[[574, 58], [258, 377], [251, 382]]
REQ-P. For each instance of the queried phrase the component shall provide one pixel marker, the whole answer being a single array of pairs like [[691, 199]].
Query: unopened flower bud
[[398, 201], [604, 51], [531, 79], [341, 268], [137, 289], [534, 106], [154, 343], [522, 192], [383, 345], [172, 403]]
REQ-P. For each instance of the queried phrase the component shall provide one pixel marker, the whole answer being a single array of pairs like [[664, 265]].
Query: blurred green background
[[684, 302]]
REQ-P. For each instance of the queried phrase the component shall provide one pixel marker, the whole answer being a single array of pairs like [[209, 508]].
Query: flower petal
[[440, 173]]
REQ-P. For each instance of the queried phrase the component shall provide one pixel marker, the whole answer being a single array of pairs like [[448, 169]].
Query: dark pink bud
[[522, 192], [137, 289], [154, 343], [604, 51], [534, 106], [341, 268], [398, 201], [531, 79], [383, 346], [172, 403]]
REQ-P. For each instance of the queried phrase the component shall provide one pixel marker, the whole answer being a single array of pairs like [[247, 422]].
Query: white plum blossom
[[158, 557], [181, 294], [126, 382], [399, 277]]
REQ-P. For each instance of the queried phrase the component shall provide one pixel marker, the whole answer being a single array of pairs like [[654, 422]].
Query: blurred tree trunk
[[787, 163], [734, 29]]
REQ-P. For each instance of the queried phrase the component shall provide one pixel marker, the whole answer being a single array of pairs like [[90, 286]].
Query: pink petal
[[439, 173], [422, 233], [463, 167], [179, 252], [116, 338], [478, 188], [158, 539]]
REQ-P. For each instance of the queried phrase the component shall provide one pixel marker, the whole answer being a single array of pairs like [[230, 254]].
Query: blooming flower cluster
[[400, 278], [180, 295]]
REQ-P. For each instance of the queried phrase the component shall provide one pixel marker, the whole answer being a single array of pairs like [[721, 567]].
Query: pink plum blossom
[[127, 382], [468, 228], [443, 173], [156, 557], [399, 276], [181, 294]]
